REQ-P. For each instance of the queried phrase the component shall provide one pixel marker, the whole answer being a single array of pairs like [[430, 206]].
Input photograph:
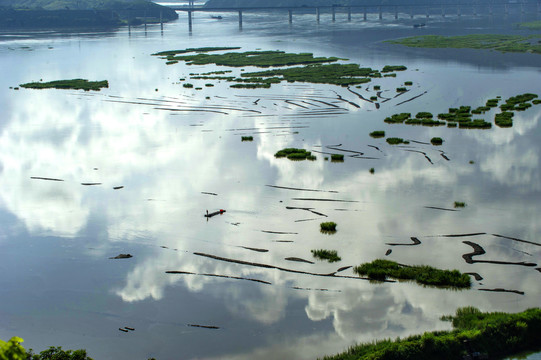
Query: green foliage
[[497, 335], [426, 275], [460, 204], [196, 50], [12, 349], [295, 154], [240, 59], [408, 83], [396, 141], [436, 141], [518, 103], [337, 157], [247, 138], [372, 170], [77, 84], [377, 134], [56, 353], [329, 226], [503, 43], [401, 89], [424, 115], [391, 68], [377, 87], [532, 25], [329, 255], [397, 118], [187, 85], [504, 119]]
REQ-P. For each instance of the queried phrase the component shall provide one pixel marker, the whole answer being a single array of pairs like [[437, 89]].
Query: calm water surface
[[177, 152]]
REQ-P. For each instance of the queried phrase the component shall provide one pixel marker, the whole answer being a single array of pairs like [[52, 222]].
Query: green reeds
[[426, 275], [436, 141], [377, 134], [76, 84], [247, 138], [460, 204], [329, 255], [328, 227]]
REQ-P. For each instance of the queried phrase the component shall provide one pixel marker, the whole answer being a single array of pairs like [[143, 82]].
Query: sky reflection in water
[[57, 237]]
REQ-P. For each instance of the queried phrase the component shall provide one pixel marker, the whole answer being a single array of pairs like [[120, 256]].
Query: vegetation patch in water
[[531, 25], [76, 84], [337, 157], [504, 119], [460, 204], [335, 74], [247, 138], [396, 141], [496, 334], [436, 141], [518, 103], [187, 85], [195, 50], [328, 227], [248, 58], [503, 43], [426, 275], [329, 255], [391, 68], [295, 154], [377, 134]]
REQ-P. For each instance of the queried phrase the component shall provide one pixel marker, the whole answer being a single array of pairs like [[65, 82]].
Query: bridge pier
[[490, 10], [411, 12], [364, 16], [380, 13], [521, 8], [349, 14], [317, 15], [396, 12], [427, 12], [240, 19], [474, 11], [442, 11], [161, 21], [458, 11], [190, 20], [333, 14], [506, 9], [290, 13]]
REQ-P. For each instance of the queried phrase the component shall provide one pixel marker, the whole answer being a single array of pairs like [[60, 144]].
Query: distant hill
[[80, 13]]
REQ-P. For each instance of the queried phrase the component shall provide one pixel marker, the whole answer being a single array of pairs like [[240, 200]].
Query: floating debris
[[118, 187], [122, 256], [300, 189], [299, 260], [439, 208], [414, 240], [44, 178], [478, 250], [504, 290], [204, 326], [475, 275], [515, 239], [208, 193], [332, 200], [464, 235], [388, 252], [90, 184], [218, 276], [279, 232], [254, 249], [124, 330]]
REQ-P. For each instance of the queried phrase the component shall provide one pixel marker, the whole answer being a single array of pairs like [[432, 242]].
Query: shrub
[[337, 157], [396, 141], [460, 204], [247, 138]]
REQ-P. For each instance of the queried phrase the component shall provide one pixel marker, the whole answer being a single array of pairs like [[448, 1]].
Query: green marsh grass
[[329, 255], [436, 141], [328, 227], [497, 334], [76, 84], [377, 134], [426, 275]]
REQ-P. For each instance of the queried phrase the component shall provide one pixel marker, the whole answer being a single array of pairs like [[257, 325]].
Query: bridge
[[429, 9]]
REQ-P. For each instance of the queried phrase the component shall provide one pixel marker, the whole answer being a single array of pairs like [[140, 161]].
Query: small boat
[[217, 17], [219, 212], [419, 25]]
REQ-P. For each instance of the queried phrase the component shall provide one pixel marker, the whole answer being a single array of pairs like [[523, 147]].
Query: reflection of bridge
[[437, 9]]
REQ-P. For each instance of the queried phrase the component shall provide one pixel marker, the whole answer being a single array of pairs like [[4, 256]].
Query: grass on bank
[[426, 275], [495, 334], [76, 84]]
